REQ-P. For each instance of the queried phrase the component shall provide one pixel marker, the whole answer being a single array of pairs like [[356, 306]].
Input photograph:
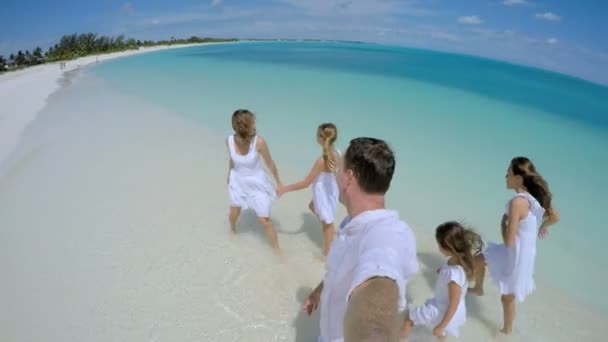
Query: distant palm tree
[[20, 59], [37, 55], [28, 57], [84, 44]]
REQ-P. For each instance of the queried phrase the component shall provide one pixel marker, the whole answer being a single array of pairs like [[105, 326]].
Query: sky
[[566, 36]]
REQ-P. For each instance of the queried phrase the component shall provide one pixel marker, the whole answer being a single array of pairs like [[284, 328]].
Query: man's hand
[[312, 301]]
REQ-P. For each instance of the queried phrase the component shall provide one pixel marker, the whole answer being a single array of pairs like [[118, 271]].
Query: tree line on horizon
[[85, 44]]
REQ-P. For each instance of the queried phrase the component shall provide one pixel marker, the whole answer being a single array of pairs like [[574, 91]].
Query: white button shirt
[[375, 243]]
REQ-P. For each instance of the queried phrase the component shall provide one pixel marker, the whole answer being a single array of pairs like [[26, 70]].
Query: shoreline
[[41, 81]]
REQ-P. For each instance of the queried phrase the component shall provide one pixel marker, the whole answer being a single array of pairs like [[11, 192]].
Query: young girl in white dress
[[446, 312], [249, 184], [322, 177], [528, 216]]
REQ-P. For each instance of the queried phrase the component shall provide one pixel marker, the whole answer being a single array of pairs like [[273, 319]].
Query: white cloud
[[470, 20], [215, 3], [518, 3], [552, 41], [549, 16]]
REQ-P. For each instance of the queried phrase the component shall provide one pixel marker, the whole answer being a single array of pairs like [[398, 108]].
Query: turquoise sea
[[454, 122]]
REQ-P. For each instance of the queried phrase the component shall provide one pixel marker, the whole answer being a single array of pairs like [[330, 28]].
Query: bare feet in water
[[506, 331]]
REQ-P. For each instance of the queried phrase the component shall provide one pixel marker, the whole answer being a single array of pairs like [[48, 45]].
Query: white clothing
[[431, 313], [325, 195], [512, 268], [249, 185], [375, 243]]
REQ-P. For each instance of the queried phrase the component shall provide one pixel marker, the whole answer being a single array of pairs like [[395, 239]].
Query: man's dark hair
[[373, 163]]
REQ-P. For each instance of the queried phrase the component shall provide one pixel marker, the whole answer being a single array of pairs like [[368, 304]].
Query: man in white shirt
[[372, 256]]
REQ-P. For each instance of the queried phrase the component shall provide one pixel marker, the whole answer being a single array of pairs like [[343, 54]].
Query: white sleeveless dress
[[431, 313], [249, 184], [325, 195], [512, 268]]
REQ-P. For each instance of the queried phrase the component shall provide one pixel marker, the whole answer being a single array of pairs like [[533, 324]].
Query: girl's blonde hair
[[328, 133]]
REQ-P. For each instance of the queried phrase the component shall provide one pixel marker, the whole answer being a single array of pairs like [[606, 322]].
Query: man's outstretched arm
[[372, 314]]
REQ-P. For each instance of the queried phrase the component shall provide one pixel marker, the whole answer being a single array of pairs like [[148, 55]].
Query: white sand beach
[[113, 227], [23, 93]]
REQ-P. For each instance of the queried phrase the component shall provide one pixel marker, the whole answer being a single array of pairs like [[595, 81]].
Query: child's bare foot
[[232, 233], [506, 331]]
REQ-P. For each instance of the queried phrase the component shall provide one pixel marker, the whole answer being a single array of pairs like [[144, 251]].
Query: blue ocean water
[[454, 122]]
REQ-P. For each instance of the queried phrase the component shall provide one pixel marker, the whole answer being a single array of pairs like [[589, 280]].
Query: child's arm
[[518, 209], [314, 172], [454, 294]]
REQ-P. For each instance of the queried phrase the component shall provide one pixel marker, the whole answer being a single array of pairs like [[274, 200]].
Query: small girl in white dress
[[322, 177], [446, 312], [528, 216]]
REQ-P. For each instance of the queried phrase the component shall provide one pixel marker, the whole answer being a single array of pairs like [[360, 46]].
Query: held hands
[[281, 190]]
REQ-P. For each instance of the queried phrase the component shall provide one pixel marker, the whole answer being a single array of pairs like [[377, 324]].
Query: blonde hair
[[328, 133], [243, 123]]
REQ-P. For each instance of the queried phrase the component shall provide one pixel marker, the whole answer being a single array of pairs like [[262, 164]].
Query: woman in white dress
[[528, 216], [322, 177], [446, 312], [249, 185]]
